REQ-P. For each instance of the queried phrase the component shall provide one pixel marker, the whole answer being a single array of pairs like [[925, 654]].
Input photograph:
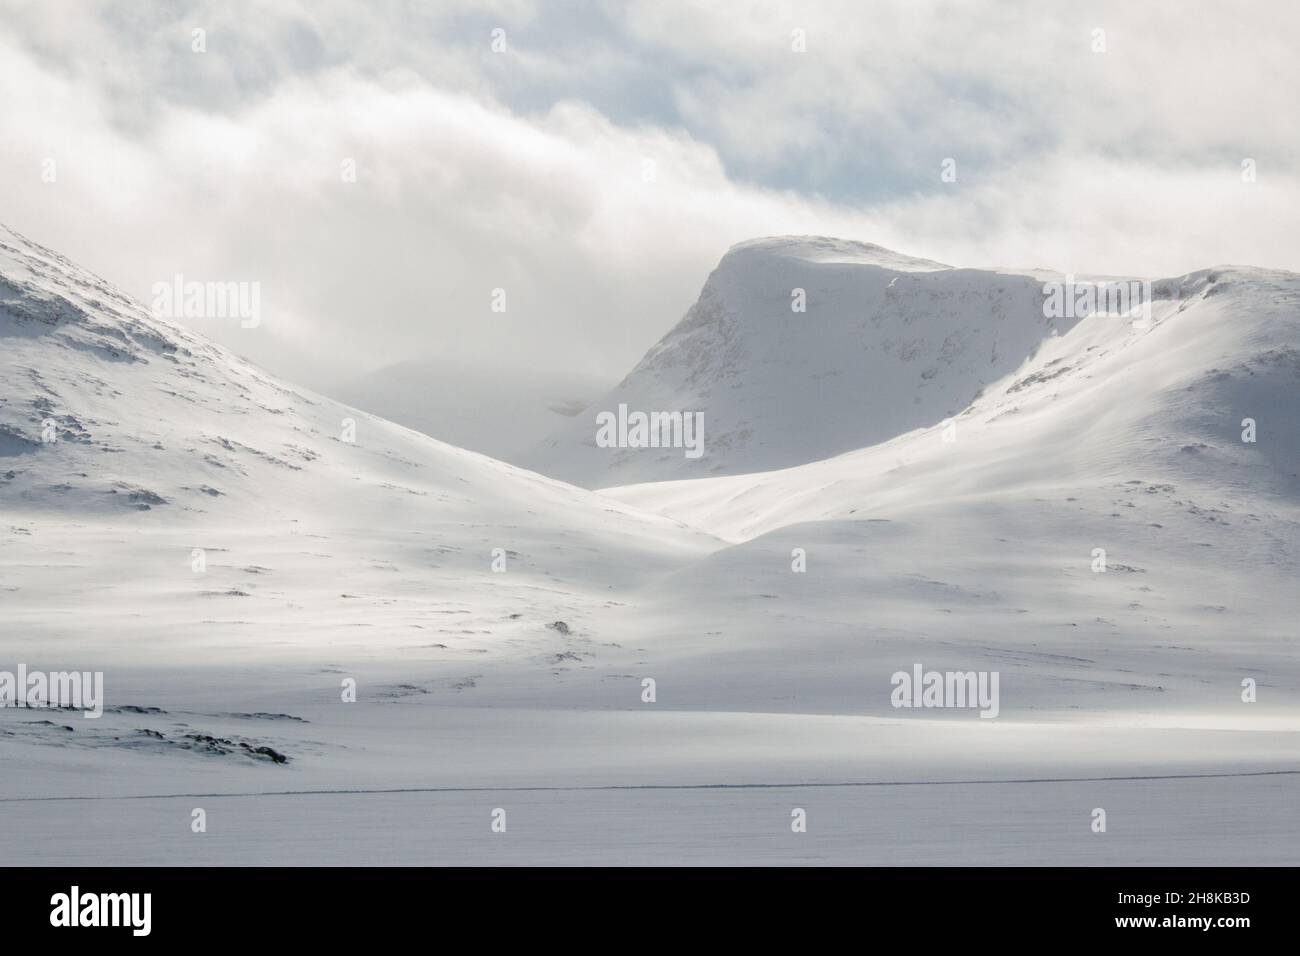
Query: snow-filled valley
[[919, 469]]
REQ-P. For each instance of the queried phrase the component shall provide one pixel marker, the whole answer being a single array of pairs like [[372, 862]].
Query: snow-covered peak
[[1200, 398], [800, 348]]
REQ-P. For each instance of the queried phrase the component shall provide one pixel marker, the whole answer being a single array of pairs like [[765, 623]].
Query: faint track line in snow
[[663, 786]]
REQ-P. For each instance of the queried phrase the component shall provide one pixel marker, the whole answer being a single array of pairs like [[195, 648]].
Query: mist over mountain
[[496, 410]]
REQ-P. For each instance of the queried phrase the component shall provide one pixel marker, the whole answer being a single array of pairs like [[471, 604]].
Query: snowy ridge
[[149, 415]]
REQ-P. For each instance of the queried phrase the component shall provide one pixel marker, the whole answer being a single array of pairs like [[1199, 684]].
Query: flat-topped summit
[[826, 249]]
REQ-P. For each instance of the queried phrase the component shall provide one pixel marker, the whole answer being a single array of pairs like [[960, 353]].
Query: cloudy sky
[[598, 166]]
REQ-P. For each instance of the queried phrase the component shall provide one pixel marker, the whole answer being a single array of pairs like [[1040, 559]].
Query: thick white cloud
[[226, 165]]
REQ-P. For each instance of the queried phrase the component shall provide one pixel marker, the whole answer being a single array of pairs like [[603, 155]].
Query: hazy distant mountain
[[497, 410]]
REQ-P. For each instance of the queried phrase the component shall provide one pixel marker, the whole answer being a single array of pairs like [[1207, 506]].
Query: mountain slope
[[164, 444]]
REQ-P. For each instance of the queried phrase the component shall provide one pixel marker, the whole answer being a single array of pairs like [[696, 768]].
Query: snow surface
[[372, 560]]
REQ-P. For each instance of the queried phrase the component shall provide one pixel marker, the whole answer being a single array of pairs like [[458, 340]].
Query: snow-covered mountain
[[1201, 395], [800, 348], [228, 549], [1116, 524]]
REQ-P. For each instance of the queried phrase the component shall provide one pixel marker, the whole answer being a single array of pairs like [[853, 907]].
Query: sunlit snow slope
[[1096, 528]]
